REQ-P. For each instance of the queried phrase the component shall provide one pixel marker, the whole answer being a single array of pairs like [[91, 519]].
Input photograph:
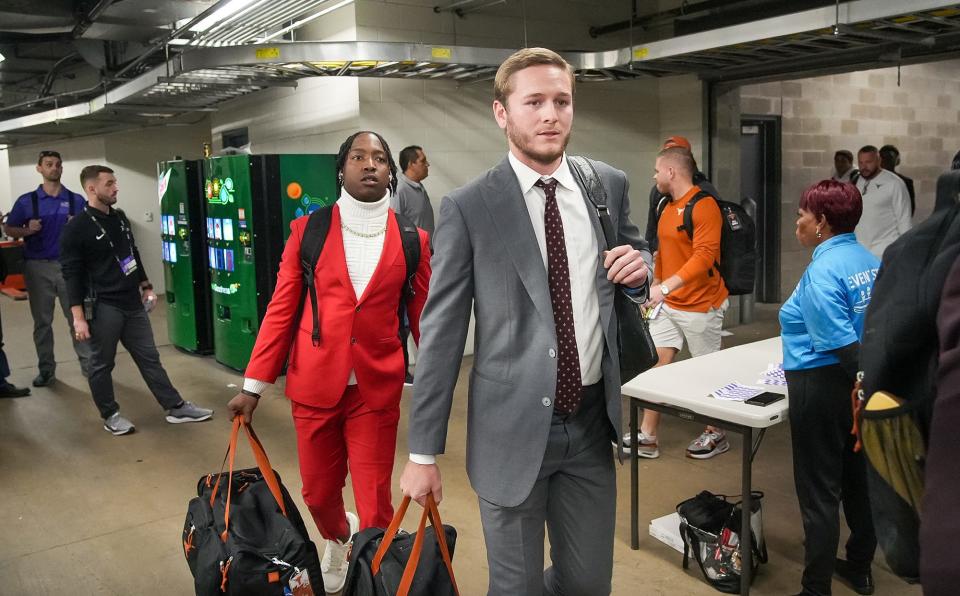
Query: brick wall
[[921, 116]]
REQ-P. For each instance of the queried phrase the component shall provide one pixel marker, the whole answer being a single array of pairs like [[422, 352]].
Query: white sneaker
[[647, 446], [336, 558]]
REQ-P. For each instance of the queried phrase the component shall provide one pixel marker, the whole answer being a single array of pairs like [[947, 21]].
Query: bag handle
[[433, 513], [263, 463]]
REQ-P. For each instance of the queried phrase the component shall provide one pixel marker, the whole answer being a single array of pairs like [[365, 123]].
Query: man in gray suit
[[523, 245]]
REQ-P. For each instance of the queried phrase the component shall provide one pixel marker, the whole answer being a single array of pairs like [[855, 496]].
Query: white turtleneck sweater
[[363, 226]]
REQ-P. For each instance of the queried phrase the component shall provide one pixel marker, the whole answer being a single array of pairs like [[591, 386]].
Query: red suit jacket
[[358, 334]]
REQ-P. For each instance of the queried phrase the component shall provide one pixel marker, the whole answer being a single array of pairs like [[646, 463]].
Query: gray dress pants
[[45, 285], [574, 498], [131, 328]]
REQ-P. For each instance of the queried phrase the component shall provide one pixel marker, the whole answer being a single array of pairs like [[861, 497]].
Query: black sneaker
[[408, 380], [44, 380], [860, 581], [11, 390]]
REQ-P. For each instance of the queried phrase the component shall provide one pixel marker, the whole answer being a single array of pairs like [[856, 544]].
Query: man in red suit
[[344, 392]]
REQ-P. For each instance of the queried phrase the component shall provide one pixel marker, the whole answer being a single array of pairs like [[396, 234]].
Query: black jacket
[[89, 261], [910, 191], [655, 195]]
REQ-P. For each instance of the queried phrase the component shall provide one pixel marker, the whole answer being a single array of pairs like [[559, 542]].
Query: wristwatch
[[664, 289]]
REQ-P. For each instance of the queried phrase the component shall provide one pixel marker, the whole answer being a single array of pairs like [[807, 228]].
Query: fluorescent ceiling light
[[303, 22], [2, 58], [221, 14]]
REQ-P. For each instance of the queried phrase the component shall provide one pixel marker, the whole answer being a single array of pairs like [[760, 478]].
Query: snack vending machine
[[251, 200], [185, 273]]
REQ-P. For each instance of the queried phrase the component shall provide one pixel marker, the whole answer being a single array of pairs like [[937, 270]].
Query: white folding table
[[682, 389]]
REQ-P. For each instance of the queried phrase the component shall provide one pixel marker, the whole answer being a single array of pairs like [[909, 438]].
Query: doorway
[[760, 189]]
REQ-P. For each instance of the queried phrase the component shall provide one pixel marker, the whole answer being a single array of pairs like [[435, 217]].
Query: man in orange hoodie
[[687, 292]]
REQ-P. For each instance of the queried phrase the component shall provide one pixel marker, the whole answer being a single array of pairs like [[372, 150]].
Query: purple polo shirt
[[53, 216]]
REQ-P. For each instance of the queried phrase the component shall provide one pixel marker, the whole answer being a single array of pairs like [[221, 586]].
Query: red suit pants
[[347, 436]]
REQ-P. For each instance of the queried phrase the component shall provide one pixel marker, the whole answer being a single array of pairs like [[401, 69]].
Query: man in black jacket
[[889, 160], [110, 295], [699, 178]]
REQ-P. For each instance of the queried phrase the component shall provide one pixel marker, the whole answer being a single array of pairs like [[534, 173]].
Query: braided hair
[[342, 159]]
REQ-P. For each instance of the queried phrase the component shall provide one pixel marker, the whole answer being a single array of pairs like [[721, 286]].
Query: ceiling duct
[[201, 78]]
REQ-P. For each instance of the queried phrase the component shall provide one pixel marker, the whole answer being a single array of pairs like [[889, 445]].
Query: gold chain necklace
[[362, 234]]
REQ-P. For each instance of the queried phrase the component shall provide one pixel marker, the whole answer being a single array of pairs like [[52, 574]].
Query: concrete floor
[[88, 513]]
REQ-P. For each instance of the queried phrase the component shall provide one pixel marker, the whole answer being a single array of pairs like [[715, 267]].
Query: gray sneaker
[[118, 425], [188, 412]]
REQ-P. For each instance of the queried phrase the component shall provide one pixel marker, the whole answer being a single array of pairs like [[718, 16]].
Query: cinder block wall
[[921, 116]]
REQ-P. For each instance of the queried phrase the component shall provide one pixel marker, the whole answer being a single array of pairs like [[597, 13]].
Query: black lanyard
[[125, 230]]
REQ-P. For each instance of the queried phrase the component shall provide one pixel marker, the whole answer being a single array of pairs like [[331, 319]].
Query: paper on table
[[736, 392], [773, 375]]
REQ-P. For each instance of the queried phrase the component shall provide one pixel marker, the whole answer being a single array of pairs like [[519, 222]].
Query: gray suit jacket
[[487, 257]]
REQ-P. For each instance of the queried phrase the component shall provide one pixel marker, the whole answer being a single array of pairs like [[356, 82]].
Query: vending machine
[[251, 200], [185, 273]]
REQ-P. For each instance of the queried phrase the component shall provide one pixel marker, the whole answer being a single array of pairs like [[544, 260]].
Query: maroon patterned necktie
[[569, 385]]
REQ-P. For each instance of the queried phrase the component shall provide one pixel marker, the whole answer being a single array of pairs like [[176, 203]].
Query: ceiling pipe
[[174, 34], [51, 75], [85, 20]]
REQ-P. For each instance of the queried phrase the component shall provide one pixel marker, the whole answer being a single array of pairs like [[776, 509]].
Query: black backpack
[[738, 243], [898, 355], [315, 235]]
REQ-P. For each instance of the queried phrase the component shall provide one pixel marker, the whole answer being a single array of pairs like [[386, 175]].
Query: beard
[[107, 199], [523, 142]]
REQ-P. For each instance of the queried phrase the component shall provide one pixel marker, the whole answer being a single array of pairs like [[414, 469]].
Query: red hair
[[839, 202]]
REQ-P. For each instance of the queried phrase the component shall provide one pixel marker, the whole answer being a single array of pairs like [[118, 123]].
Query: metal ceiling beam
[[146, 107], [218, 71], [227, 82]]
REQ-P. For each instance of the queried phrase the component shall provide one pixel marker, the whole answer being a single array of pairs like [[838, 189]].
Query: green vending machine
[[185, 272], [251, 200]]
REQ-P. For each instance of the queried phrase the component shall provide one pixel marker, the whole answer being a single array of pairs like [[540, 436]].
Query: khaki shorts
[[700, 329]]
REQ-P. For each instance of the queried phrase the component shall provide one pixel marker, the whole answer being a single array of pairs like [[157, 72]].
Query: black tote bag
[[638, 353]]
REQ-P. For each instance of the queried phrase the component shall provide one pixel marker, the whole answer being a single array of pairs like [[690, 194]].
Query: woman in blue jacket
[[821, 328]]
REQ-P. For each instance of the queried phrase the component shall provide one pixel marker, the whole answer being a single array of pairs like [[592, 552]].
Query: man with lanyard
[[39, 217], [109, 296]]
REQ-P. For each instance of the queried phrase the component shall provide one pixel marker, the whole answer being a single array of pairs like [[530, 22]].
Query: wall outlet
[[148, 216]]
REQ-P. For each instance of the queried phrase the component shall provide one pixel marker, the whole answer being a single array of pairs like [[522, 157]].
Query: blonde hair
[[522, 59], [680, 157]]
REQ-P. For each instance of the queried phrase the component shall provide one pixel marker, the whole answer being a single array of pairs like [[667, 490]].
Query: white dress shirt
[[582, 256], [362, 252]]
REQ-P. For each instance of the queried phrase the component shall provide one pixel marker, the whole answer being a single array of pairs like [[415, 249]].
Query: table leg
[[746, 546], [634, 477]]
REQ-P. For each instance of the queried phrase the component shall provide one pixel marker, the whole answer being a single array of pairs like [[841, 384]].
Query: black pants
[[4, 365], [132, 329], [827, 473]]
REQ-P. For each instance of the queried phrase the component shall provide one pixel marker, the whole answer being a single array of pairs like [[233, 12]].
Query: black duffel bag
[[383, 563], [247, 538]]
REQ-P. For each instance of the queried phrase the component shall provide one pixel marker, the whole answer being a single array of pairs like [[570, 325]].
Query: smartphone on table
[[765, 399]]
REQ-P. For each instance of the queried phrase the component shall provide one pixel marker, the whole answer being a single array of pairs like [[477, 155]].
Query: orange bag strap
[[442, 540], [263, 463], [411, 569], [233, 441], [389, 534], [432, 513]]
